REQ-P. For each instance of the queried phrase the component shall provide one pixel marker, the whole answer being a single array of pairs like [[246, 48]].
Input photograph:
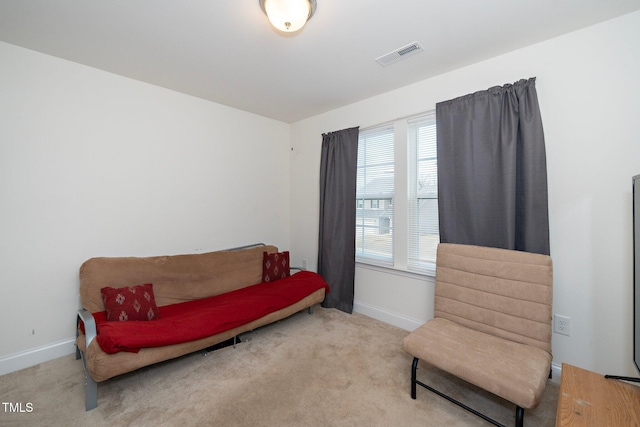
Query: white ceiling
[[226, 51]]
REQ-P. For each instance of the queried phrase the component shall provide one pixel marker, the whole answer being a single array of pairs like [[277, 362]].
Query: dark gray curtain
[[492, 172], [336, 245]]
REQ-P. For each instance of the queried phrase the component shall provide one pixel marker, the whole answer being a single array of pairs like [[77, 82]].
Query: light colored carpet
[[324, 369]]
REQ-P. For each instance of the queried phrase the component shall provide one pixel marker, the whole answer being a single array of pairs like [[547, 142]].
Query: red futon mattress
[[193, 320]]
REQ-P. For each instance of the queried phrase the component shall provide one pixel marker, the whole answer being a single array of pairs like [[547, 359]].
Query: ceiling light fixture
[[288, 15]]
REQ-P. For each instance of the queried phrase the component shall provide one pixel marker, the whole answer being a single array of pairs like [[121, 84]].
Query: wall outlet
[[304, 264], [562, 325]]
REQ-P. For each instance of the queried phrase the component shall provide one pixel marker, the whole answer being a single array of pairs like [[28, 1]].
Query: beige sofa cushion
[[175, 278]]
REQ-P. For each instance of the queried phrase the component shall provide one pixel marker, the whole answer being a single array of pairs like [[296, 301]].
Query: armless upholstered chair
[[491, 325]]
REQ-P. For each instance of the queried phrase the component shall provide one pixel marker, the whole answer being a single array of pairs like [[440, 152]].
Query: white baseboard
[[556, 372], [28, 358], [387, 316]]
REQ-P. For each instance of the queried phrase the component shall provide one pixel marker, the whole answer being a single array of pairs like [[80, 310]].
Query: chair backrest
[[500, 292]]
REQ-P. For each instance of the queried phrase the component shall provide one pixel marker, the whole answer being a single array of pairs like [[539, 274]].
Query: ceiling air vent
[[398, 54]]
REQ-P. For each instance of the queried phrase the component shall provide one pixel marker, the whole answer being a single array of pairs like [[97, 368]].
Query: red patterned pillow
[[130, 303], [275, 266]]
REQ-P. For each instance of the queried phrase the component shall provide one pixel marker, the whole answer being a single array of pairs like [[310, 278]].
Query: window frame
[[414, 139], [399, 260]]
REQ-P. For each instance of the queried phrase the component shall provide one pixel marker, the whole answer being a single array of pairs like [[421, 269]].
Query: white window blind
[[375, 195], [423, 235]]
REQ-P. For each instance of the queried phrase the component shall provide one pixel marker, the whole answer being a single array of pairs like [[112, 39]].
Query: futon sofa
[[137, 311], [491, 325]]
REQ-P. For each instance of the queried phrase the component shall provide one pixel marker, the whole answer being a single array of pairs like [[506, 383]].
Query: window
[[423, 235], [397, 195], [374, 193]]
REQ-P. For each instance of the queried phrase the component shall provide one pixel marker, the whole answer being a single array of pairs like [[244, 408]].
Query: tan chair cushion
[[513, 371], [501, 292]]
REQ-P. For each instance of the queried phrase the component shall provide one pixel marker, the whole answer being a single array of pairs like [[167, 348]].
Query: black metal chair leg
[[415, 382], [414, 368], [519, 416]]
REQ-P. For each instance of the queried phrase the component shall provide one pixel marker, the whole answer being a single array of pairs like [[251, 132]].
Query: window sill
[[431, 274]]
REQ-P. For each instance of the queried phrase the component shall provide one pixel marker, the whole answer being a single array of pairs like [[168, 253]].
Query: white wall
[[93, 164], [589, 90]]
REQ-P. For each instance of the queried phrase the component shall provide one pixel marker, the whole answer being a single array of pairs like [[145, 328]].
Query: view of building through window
[[376, 234], [374, 195]]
